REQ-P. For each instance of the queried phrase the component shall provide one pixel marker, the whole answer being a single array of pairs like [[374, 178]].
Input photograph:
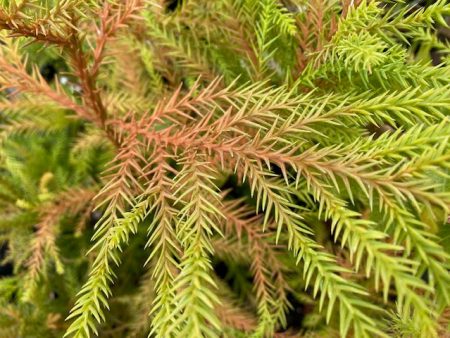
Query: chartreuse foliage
[[262, 156]]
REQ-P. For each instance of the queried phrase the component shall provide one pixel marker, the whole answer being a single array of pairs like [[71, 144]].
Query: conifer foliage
[[208, 168]]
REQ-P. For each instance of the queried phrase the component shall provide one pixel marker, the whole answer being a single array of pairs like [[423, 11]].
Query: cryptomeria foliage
[[274, 168]]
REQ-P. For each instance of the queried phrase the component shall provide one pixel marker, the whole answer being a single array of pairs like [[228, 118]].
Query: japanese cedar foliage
[[273, 168]]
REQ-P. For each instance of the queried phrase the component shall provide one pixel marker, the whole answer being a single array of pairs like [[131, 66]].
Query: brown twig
[[18, 79]]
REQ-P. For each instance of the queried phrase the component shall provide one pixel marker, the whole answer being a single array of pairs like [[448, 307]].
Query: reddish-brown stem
[[29, 31], [90, 93], [110, 23], [19, 28]]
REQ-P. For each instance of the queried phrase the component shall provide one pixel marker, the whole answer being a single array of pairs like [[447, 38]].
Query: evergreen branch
[[425, 249], [110, 22], [44, 243], [15, 76], [270, 286], [342, 129], [316, 262], [196, 223], [91, 95], [173, 44], [119, 192], [93, 297], [365, 242], [164, 244], [41, 30]]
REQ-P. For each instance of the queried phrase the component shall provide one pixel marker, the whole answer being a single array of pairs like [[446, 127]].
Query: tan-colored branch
[[91, 93], [36, 31], [110, 22], [17, 78]]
